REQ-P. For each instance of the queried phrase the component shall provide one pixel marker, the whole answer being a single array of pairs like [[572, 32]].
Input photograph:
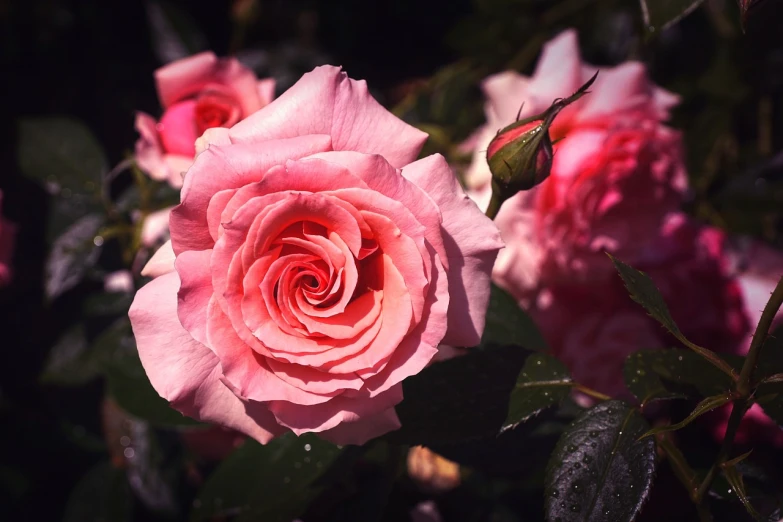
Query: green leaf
[[508, 323], [270, 483], [600, 471], [462, 398], [70, 361], [62, 152], [660, 14], [64, 156], [102, 494], [667, 374], [738, 487], [128, 383], [543, 382], [644, 292], [708, 404], [769, 394], [72, 255]]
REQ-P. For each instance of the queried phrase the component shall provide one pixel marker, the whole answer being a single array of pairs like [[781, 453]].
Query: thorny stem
[[759, 336], [744, 387]]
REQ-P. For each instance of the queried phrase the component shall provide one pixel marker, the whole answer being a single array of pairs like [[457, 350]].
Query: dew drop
[[610, 411], [571, 448], [575, 508], [97, 240], [593, 434], [562, 504], [129, 453], [575, 487], [640, 372], [555, 493], [538, 362], [679, 358], [593, 444], [587, 459], [125, 441], [308, 447]]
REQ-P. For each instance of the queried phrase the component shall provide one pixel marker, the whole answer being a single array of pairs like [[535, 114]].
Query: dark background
[[94, 61]]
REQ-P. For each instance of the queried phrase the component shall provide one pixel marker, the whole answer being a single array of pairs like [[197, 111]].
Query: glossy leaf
[[660, 14], [270, 483], [600, 471], [462, 398], [667, 374], [543, 382], [72, 255], [644, 292], [70, 361], [102, 494], [708, 404], [508, 323]]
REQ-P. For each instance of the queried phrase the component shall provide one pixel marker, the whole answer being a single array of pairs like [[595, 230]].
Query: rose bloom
[[313, 265], [197, 93], [7, 236], [615, 176], [594, 327]]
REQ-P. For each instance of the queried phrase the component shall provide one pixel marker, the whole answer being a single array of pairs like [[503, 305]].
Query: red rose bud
[[520, 156]]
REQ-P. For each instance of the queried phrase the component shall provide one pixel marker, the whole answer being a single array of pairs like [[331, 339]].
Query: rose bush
[[197, 93], [313, 265], [7, 237]]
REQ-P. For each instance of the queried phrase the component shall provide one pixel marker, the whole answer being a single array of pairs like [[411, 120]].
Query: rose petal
[[220, 168], [185, 372], [339, 107], [364, 429], [472, 242], [161, 262]]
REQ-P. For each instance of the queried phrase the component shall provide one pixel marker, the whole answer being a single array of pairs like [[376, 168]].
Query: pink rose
[[614, 178], [694, 277], [197, 93], [592, 329], [7, 236], [317, 265], [560, 72]]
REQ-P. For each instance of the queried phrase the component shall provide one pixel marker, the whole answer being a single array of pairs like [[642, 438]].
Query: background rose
[[312, 275], [615, 177], [7, 235], [197, 93]]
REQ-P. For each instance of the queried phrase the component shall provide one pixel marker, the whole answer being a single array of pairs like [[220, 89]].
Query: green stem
[[737, 412], [744, 387], [759, 336], [684, 473], [591, 392], [494, 202]]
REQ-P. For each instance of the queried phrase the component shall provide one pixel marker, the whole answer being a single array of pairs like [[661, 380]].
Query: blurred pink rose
[[694, 277], [197, 93], [592, 329], [317, 265], [624, 89], [614, 179], [7, 237], [155, 227]]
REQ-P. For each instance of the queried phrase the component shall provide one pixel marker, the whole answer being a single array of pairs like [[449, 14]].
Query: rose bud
[[520, 156]]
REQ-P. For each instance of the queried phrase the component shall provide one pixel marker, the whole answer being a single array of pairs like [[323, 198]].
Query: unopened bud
[[520, 156]]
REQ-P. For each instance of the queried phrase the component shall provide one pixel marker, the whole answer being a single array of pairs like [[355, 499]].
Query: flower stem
[[744, 387], [759, 336]]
